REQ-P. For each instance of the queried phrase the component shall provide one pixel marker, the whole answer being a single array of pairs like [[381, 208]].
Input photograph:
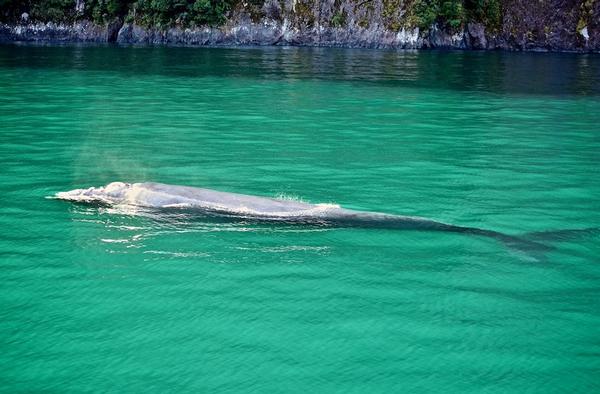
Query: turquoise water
[[100, 300]]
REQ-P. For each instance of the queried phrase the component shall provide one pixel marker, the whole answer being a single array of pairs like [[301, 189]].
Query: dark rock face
[[442, 39], [553, 25], [272, 33], [112, 30], [475, 36]]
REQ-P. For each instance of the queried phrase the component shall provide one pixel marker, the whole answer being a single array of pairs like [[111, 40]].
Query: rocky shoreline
[[244, 32]]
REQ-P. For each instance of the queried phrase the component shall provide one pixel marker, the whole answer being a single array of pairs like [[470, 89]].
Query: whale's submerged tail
[[533, 246], [533, 249]]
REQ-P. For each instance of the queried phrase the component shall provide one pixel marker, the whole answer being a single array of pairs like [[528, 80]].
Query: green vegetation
[[102, 11], [427, 12], [304, 12], [455, 13], [488, 12], [164, 13], [145, 12], [451, 14], [339, 19], [390, 14], [43, 10], [585, 14]]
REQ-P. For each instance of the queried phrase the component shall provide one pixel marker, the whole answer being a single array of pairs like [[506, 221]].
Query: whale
[[164, 196], [210, 202]]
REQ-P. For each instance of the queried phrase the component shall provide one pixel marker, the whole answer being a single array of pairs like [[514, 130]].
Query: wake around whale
[[211, 202]]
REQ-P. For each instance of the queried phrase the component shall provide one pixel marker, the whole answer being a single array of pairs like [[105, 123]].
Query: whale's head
[[113, 193]]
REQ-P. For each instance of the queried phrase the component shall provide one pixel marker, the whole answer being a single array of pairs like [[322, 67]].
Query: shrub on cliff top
[[163, 13], [207, 12], [103, 11], [53, 10], [488, 12], [455, 13], [10, 10], [446, 12]]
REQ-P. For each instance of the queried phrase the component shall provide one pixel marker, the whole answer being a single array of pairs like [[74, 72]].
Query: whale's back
[[161, 195]]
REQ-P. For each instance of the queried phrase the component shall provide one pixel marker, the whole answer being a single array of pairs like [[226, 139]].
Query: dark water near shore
[[97, 300]]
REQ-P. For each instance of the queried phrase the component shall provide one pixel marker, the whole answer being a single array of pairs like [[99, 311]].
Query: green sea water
[[98, 300]]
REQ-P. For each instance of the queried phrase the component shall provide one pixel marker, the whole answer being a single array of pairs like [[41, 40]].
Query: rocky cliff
[[555, 25]]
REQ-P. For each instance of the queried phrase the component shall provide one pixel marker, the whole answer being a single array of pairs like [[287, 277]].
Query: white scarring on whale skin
[[157, 195]]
